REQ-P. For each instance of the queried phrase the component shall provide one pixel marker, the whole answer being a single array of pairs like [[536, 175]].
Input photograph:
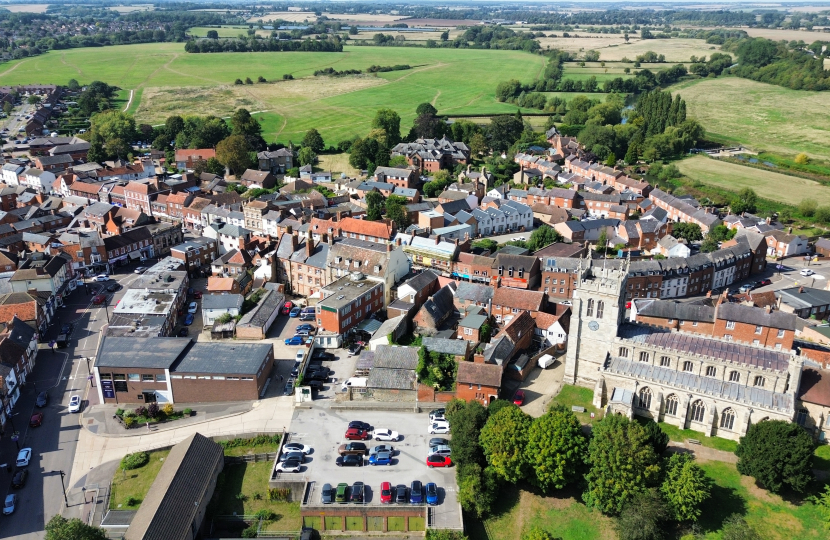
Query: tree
[[212, 34], [690, 232], [643, 517], [658, 438], [545, 235], [306, 156], [467, 419], [777, 453], [396, 211], [242, 123], [709, 244], [807, 207], [117, 148], [555, 448], [73, 85], [428, 126], [503, 131], [374, 206], [622, 463], [60, 528], [685, 487], [398, 161], [736, 528], [235, 154], [745, 201], [7, 107], [426, 108], [503, 439], [611, 160], [478, 145], [113, 124], [444, 534], [314, 141], [96, 151], [602, 241], [215, 167], [477, 487], [389, 121], [33, 99], [486, 243], [363, 152], [822, 502]]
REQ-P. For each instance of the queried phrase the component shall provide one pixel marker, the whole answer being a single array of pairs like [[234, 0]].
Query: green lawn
[[135, 483], [576, 395], [246, 450], [174, 82], [682, 435], [237, 492], [822, 458]]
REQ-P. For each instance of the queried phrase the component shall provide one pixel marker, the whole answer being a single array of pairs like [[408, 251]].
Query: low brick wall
[[427, 394], [366, 514]]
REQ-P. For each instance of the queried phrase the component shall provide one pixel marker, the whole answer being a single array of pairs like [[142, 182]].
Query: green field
[[761, 116], [770, 185], [172, 81]]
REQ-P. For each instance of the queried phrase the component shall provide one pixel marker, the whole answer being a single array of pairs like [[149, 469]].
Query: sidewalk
[[99, 419], [269, 415]]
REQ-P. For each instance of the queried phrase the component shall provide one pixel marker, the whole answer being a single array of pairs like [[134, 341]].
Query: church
[[713, 385]]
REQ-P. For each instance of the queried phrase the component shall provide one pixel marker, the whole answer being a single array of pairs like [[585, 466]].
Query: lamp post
[[63, 486]]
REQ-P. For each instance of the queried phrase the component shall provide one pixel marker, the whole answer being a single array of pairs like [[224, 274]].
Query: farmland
[[761, 116], [171, 81], [767, 184]]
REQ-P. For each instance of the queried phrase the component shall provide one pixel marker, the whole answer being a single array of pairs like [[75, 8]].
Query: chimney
[[437, 239], [293, 242], [309, 246], [709, 294], [331, 240], [478, 358], [397, 241], [389, 247], [336, 217], [325, 238]]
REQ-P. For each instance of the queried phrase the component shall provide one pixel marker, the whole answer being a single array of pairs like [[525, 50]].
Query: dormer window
[[501, 270], [510, 272]]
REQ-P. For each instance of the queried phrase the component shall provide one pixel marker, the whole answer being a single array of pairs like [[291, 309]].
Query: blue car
[[416, 495], [188, 320], [296, 340], [305, 327], [432, 493], [381, 458], [295, 312]]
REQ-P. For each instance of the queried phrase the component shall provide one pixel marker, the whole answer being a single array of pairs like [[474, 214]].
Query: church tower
[[597, 312]]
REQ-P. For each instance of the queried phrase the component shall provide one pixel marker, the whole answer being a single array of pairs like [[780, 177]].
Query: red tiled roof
[[518, 298], [477, 373], [545, 320], [519, 327], [815, 386], [220, 284], [378, 229], [85, 187], [195, 154]]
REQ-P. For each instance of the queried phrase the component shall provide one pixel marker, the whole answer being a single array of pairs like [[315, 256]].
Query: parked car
[[400, 494], [36, 420], [193, 307], [356, 448], [382, 448], [385, 492], [188, 320], [305, 332], [9, 504], [436, 441], [381, 458], [42, 399], [140, 269], [23, 457], [74, 404], [305, 327], [519, 397], [99, 299], [745, 288], [386, 435], [357, 492], [296, 447], [806, 272], [295, 312], [432, 493], [183, 332], [360, 425], [355, 349], [416, 492], [296, 370], [439, 450], [437, 414], [350, 460], [289, 388], [296, 340], [115, 287], [353, 434], [322, 356], [342, 493], [289, 465], [438, 461], [327, 495], [286, 308], [102, 277], [307, 316], [197, 295], [439, 428], [19, 479], [764, 282], [288, 456]]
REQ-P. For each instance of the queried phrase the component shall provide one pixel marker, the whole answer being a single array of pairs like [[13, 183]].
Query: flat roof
[[231, 358], [136, 352], [146, 302], [345, 290]]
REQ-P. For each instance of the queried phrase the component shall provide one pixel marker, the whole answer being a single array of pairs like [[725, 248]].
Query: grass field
[[767, 184], [761, 116], [225, 31], [171, 81], [135, 483], [676, 50]]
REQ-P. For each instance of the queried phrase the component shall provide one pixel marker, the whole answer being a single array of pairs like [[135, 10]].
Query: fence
[[251, 458], [251, 521]]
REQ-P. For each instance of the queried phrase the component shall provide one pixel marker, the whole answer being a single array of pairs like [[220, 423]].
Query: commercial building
[[345, 303]]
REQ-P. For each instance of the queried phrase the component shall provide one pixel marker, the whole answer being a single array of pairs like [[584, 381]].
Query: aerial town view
[[452, 270]]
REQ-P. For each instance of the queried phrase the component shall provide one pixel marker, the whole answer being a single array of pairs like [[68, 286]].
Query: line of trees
[[329, 44]]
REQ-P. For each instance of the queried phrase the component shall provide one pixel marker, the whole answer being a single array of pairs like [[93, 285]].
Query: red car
[[438, 461], [36, 419], [519, 397], [354, 434], [628, 305], [197, 295], [286, 308], [385, 492], [99, 299]]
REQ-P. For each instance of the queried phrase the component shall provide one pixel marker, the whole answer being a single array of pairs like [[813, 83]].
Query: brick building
[[348, 301], [478, 381]]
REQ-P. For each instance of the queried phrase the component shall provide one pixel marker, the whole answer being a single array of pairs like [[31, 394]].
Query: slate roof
[[440, 305], [421, 281], [234, 358], [257, 317], [456, 347], [132, 352], [478, 373], [168, 510], [473, 292], [804, 297], [393, 357], [473, 320], [222, 301], [391, 379]]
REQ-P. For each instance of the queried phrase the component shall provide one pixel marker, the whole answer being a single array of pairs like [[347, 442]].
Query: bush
[[823, 214], [132, 501], [129, 421], [187, 412], [167, 409], [141, 411], [119, 412], [135, 460], [266, 514], [241, 497], [153, 410], [279, 494], [250, 532]]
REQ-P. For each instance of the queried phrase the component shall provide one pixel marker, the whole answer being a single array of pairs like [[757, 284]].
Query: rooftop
[[345, 290], [126, 352], [235, 358]]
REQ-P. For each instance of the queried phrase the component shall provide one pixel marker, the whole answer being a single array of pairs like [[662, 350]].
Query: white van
[[357, 382]]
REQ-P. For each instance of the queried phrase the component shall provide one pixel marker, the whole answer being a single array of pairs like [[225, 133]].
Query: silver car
[[8, 506]]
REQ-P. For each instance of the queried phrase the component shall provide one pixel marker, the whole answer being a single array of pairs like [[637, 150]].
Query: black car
[[183, 332], [315, 385], [357, 424], [62, 341], [114, 287], [400, 494], [355, 349], [42, 399], [322, 355], [299, 456], [66, 328], [296, 371], [316, 375], [327, 497], [19, 479], [350, 460], [357, 492]]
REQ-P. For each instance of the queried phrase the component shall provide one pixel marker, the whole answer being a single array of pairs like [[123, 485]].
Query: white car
[[102, 277], [75, 404], [140, 269], [807, 272], [296, 447], [300, 355], [23, 457], [381, 448], [193, 307], [291, 465], [386, 435], [439, 428]]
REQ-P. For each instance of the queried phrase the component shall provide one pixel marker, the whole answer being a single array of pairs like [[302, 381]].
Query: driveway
[[540, 387]]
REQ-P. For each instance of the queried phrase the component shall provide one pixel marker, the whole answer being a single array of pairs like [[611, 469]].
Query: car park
[[296, 447], [350, 460], [292, 456], [36, 420], [188, 320], [432, 493], [42, 399], [416, 492], [356, 448], [386, 435], [24, 456], [289, 465], [295, 312], [400, 494], [438, 461], [327, 495], [19, 479], [381, 458], [439, 428], [102, 277], [296, 340], [519, 397], [342, 493], [9, 504], [385, 493], [357, 492], [74, 404]]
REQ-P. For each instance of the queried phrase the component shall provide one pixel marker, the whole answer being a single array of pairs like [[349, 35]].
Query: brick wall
[[747, 333], [134, 388], [207, 390], [482, 394]]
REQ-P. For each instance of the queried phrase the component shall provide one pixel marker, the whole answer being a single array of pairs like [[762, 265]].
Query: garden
[[134, 477], [150, 414]]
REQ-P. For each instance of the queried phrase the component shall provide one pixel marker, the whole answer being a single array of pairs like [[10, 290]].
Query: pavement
[[100, 419]]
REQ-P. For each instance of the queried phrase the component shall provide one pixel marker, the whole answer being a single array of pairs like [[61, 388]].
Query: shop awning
[[135, 255]]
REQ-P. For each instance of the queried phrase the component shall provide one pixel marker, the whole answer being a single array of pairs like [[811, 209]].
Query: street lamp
[[62, 485]]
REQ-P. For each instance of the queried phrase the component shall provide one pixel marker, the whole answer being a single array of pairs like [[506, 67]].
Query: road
[[63, 373]]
